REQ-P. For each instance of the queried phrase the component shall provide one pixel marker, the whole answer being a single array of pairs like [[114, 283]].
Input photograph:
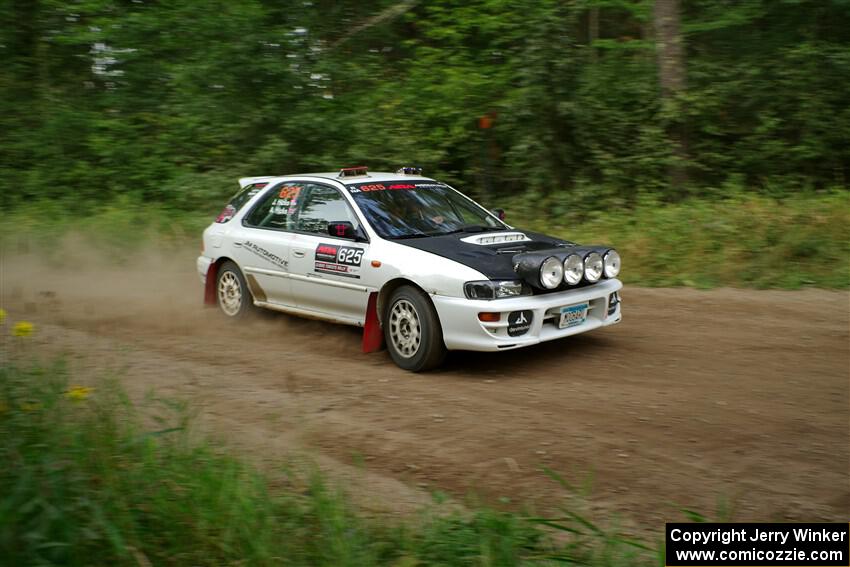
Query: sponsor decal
[[287, 200], [338, 260], [519, 322], [367, 187], [289, 192], [327, 252], [271, 257]]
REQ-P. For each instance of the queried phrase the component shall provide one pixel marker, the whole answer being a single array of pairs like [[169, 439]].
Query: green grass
[[99, 481], [742, 240], [114, 229]]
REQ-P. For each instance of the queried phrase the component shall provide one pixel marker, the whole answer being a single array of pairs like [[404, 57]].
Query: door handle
[[298, 253], [237, 244]]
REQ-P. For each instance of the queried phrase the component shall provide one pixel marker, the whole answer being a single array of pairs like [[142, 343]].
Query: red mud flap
[[373, 337], [209, 285]]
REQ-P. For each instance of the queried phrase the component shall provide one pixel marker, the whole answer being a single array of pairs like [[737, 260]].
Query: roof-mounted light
[[409, 170], [360, 171]]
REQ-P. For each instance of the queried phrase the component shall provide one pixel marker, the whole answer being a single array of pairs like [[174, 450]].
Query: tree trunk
[[671, 76]]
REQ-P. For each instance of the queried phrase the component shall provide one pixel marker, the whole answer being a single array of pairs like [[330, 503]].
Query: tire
[[231, 292], [412, 330]]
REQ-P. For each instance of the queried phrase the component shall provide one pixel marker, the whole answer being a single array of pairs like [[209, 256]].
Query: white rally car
[[414, 262]]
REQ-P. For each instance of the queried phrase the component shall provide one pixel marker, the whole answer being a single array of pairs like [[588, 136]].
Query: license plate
[[573, 315]]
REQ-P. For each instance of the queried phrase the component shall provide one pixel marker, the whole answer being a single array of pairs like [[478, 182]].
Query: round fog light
[[551, 273], [612, 264], [573, 269], [593, 267]]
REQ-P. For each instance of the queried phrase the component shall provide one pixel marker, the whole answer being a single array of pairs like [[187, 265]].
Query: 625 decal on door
[[349, 256], [338, 260]]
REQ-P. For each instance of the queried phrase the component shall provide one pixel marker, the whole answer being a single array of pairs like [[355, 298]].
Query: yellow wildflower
[[78, 393], [23, 329], [2, 315]]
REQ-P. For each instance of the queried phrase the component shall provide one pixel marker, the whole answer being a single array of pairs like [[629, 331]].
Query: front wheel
[[232, 293], [412, 331]]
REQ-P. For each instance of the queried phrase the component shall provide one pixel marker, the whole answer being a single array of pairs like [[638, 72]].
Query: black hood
[[496, 261]]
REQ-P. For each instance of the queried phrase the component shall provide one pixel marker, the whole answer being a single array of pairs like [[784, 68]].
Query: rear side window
[[243, 196], [277, 208]]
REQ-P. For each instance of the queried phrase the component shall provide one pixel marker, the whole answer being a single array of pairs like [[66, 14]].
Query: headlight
[[573, 269], [612, 264], [487, 289], [593, 267], [551, 273]]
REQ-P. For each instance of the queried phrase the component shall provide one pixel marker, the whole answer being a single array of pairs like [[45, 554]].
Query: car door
[[326, 270], [261, 245]]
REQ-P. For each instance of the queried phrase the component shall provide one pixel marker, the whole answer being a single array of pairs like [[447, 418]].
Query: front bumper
[[463, 331]]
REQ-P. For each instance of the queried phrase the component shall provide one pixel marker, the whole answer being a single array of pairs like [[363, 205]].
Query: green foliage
[[90, 479], [107, 98]]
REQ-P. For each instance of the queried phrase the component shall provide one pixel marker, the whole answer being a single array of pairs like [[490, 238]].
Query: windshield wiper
[[411, 235]]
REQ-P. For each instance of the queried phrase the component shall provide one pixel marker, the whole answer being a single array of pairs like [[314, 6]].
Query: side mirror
[[342, 229], [499, 213]]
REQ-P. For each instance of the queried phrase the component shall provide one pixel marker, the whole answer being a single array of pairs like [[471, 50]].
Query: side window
[[277, 209], [323, 205], [237, 201], [245, 194]]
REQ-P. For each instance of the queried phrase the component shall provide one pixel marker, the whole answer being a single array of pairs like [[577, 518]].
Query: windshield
[[411, 209]]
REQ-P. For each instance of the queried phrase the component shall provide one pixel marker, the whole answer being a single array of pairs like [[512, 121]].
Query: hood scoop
[[496, 238]]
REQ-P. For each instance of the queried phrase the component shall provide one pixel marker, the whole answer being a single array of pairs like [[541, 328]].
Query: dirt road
[[707, 400]]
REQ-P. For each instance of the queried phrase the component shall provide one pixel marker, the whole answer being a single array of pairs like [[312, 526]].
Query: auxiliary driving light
[[612, 264], [573, 269], [552, 272], [593, 266]]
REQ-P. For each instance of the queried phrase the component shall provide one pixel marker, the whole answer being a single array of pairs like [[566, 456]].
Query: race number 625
[[350, 256]]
